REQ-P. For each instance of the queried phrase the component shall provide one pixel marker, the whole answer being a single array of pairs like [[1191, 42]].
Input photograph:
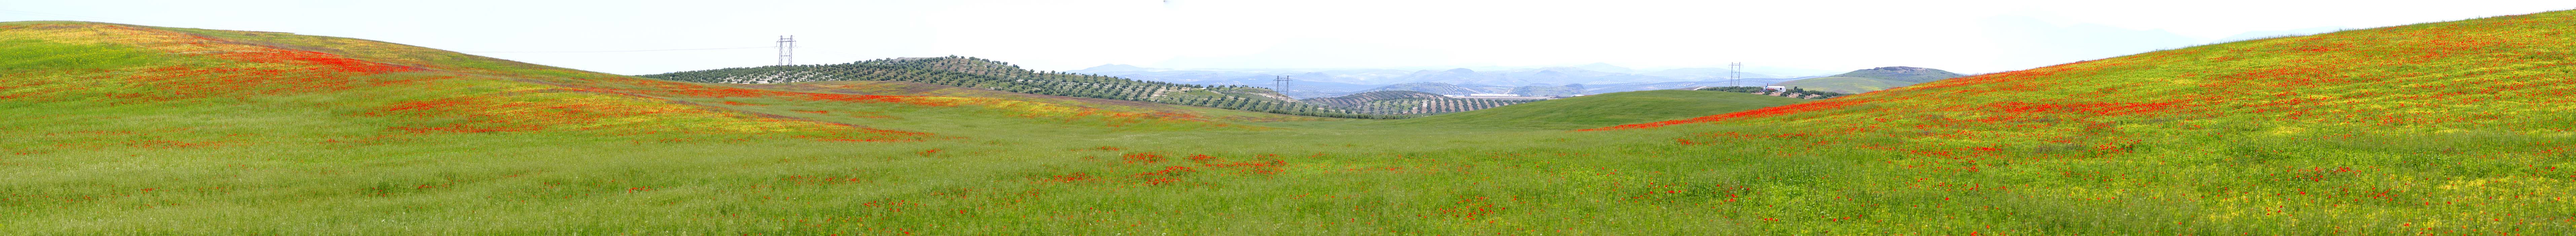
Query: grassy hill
[[1603, 110], [1400, 103], [994, 75], [202, 81], [94, 67], [2435, 128], [242, 131]]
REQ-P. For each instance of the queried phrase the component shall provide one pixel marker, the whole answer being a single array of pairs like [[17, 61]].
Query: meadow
[[2449, 128]]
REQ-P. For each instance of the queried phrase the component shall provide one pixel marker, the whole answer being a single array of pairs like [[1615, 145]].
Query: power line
[[1735, 74], [620, 51], [786, 50], [1282, 83], [605, 51]]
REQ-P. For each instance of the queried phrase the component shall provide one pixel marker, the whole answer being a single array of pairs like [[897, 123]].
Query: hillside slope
[[133, 130], [57, 70], [2434, 128], [80, 77], [2505, 74], [1604, 109]]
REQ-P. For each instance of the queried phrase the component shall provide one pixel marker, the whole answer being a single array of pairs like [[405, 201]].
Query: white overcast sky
[[1962, 36]]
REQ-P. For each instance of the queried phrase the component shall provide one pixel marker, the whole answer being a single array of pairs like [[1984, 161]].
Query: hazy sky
[[1961, 36]]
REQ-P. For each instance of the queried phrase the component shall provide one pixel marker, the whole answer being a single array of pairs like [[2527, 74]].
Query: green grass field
[[2450, 128]]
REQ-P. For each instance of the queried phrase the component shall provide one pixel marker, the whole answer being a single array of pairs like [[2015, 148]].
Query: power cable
[[607, 51]]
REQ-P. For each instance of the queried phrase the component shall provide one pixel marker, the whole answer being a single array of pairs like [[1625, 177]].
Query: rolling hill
[[994, 75], [245, 131], [2462, 125], [96, 74], [1603, 110]]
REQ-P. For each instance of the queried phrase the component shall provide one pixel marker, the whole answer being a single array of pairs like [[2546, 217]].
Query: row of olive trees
[[986, 74]]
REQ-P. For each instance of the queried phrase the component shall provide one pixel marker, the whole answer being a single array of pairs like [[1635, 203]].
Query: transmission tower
[[786, 50], [1282, 83], [1735, 74]]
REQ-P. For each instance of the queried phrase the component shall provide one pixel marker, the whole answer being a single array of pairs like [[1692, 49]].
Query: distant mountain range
[[1437, 88], [1705, 74]]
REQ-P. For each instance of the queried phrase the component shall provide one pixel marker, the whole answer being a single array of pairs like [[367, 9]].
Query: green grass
[[29, 53], [2264, 137]]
